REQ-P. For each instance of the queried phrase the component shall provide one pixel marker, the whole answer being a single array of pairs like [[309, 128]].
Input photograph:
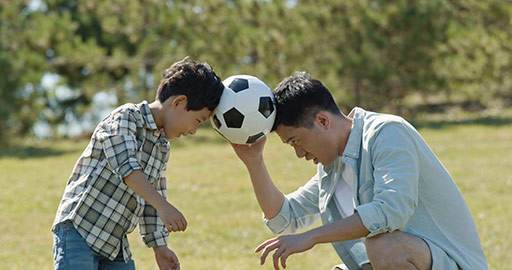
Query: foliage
[[369, 53], [476, 61]]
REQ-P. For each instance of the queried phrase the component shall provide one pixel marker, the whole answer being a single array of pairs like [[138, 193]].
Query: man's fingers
[[267, 249], [264, 244], [276, 256], [284, 256]]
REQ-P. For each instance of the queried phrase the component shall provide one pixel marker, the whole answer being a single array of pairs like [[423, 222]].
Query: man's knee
[[398, 250], [381, 255]]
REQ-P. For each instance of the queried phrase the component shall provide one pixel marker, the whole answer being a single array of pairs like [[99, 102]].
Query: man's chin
[[327, 163]]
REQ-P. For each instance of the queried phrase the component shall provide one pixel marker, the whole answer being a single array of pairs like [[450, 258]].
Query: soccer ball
[[246, 111]]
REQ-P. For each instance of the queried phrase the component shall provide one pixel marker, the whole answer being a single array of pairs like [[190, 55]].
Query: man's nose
[[299, 152]]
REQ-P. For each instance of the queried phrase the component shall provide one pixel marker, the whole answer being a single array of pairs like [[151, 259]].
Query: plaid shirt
[[101, 206]]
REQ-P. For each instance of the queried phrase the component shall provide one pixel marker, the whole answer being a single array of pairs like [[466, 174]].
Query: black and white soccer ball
[[246, 110]]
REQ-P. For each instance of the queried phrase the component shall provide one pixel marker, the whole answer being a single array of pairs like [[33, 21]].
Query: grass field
[[211, 187]]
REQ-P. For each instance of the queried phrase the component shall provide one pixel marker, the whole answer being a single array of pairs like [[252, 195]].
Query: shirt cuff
[[372, 219], [281, 221], [128, 167], [156, 239]]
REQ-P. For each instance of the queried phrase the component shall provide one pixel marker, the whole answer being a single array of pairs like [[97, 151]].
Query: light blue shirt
[[400, 185]]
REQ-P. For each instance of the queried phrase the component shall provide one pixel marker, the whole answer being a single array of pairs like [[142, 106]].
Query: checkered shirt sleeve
[[120, 144], [151, 226]]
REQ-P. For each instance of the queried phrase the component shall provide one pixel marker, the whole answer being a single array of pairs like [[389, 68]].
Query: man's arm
[[269, 197], [295, 211], [171, 217], [341, 230]]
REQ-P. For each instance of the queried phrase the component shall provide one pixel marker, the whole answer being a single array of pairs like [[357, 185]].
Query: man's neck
[[345, 127]]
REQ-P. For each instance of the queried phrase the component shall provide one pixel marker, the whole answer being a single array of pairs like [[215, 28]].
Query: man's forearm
[[269, 197], [346, 229], [139, 183]]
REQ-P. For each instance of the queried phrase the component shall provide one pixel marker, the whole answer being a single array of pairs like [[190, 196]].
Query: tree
[[21, 68]]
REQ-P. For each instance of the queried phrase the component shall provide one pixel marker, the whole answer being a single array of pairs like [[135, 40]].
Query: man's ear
[[179, 102], [323, 120]]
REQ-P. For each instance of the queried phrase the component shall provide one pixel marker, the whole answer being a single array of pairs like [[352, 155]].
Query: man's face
[[312, 144]]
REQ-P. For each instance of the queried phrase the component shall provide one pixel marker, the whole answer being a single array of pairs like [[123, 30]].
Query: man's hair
[[299, 98], [197, 81]]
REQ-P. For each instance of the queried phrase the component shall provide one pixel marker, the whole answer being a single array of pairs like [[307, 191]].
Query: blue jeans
[[70, 251]]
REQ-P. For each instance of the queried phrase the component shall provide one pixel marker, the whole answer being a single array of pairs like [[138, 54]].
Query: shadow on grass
[[483, 121], [25, 152]]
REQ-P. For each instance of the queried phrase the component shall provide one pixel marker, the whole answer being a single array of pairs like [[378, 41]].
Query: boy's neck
[[157, 110]]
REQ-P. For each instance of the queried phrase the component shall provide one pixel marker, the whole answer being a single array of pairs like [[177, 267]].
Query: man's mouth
[[315, 160]]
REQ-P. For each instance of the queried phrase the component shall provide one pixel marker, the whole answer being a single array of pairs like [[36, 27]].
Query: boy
[[119, 180], [377, 181]]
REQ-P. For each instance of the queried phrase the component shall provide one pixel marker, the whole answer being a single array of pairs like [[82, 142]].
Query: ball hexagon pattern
[[246, 111]]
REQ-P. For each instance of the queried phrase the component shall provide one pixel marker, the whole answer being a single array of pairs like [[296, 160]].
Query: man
[[385, 200]]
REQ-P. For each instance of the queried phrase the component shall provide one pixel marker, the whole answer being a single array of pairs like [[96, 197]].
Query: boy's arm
[[166, 259], [151, 226], [171, 217]]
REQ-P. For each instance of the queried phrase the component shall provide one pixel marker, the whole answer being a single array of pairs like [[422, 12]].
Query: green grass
[[211, 187]]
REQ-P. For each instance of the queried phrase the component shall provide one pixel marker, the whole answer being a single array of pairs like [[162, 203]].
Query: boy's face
[[313, 144], [178, 121]]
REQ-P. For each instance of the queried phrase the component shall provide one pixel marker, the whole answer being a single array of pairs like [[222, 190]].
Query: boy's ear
[[179, 102], [323, 120]]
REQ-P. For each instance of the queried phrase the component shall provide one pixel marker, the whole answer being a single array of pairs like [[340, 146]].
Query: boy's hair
[[197, 81], [299, 98]]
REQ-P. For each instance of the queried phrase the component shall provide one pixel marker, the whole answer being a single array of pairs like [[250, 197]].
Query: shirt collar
[[147, 115], [354, 140]]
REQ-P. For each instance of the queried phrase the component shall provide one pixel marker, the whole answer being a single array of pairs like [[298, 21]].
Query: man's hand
[[250, 153], [166, 259], [285, 246], [173, 219]]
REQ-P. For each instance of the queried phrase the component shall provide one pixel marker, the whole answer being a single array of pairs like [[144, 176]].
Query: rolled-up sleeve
[[119, 144], [299, 210], [396, 176]]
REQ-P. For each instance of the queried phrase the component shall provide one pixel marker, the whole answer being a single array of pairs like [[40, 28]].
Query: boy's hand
[[173, 219], [166, 259], [250, 153]]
